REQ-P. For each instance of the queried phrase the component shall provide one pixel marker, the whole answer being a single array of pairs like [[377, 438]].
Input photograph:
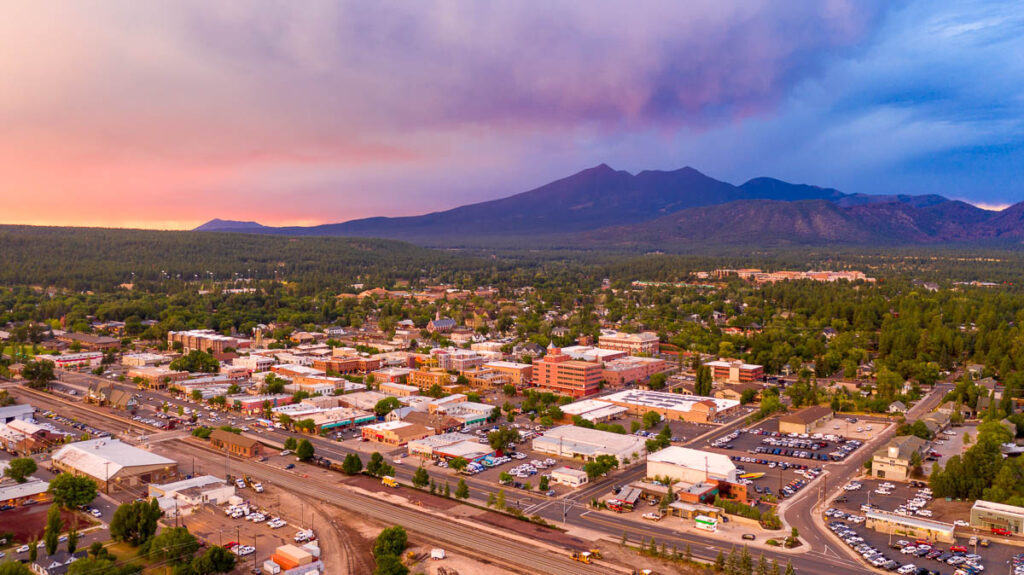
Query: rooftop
[[91, 457], [808, 414], [714, 463], [999, 508], [663, 400]]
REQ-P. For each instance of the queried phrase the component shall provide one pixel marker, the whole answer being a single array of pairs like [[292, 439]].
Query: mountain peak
[[217, 224]]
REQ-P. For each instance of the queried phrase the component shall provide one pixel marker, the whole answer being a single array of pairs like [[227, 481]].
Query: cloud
[[174, 109]]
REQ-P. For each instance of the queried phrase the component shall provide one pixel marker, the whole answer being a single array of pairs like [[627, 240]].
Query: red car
[[958, 549], [1001, 531]]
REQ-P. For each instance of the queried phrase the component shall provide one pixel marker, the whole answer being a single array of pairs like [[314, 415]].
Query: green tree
[[20, 468], [544, 483], [501, 439], [352, 464], [499, 500], [14, 568], [462, 490], [291, 443], [51, 533], [457, 464], [174, 545], [196, 361], [702, 384], [719, 562], [789, 568], [390, 565], [216, 559], [33, 549], [135, 522], [651, 418], [305, 450], [386, 406], [72, 542], [38, 374], [657, 381], [69, 491], [420, 478], [390, 541]]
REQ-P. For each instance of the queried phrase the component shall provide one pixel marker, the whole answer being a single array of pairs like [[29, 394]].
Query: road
[[572, 510], [509, 551], [800, 512]]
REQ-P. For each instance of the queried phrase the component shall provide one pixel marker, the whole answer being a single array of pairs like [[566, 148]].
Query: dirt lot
[[28, 522], [452, 564]]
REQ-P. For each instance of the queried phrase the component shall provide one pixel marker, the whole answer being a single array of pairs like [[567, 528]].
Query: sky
[[165, 114]]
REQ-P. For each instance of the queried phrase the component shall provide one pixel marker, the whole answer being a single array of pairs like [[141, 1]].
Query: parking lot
[[851, 502], [950, 443], [214, 526]]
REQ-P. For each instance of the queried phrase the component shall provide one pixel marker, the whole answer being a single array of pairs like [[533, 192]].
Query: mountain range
[[601, 206]]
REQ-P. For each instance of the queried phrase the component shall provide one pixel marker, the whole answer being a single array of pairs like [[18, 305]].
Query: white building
[[594, 410], [182, 497], [254, 363], [569, 476], [690, 465], [19, 412], [143, 359], [73, 360], [632, 343], [587, 444]]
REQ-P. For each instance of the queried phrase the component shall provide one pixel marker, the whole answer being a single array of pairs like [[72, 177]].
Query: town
[[486, 422]]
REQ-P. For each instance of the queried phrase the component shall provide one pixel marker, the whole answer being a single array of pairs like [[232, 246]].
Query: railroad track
[[511, 552]]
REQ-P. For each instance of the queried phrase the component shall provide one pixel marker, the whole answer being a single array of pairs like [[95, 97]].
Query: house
[[805, 420], [894, 461], [937, 421], [897, 407], [56, 564], [106, 393], [735, 392], [235, 444]]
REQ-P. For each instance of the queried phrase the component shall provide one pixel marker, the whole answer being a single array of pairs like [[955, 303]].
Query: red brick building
[[561, 374]]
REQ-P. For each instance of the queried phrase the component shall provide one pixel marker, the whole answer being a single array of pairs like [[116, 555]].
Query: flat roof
[[581, 407], [909, 521], [569, 471], [436, 441], [201, 481], [27, 489], [663, 400], [587, 440], [998, 508], [507, 364]]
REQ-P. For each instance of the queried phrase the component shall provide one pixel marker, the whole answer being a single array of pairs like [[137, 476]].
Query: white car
[[96, 513], [961, 523], [906, 569], [22, 549]]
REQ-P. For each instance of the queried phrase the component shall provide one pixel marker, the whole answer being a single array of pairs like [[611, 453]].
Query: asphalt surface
[[570, 510]]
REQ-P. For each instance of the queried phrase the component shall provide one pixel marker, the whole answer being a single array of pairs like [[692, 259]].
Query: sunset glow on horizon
[[168, 114]]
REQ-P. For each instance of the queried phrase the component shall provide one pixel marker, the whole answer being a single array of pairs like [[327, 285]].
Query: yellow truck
[[581, 556], [389, 481]]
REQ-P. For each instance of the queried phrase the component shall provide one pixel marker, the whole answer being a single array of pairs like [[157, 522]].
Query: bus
[[706, 523]]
